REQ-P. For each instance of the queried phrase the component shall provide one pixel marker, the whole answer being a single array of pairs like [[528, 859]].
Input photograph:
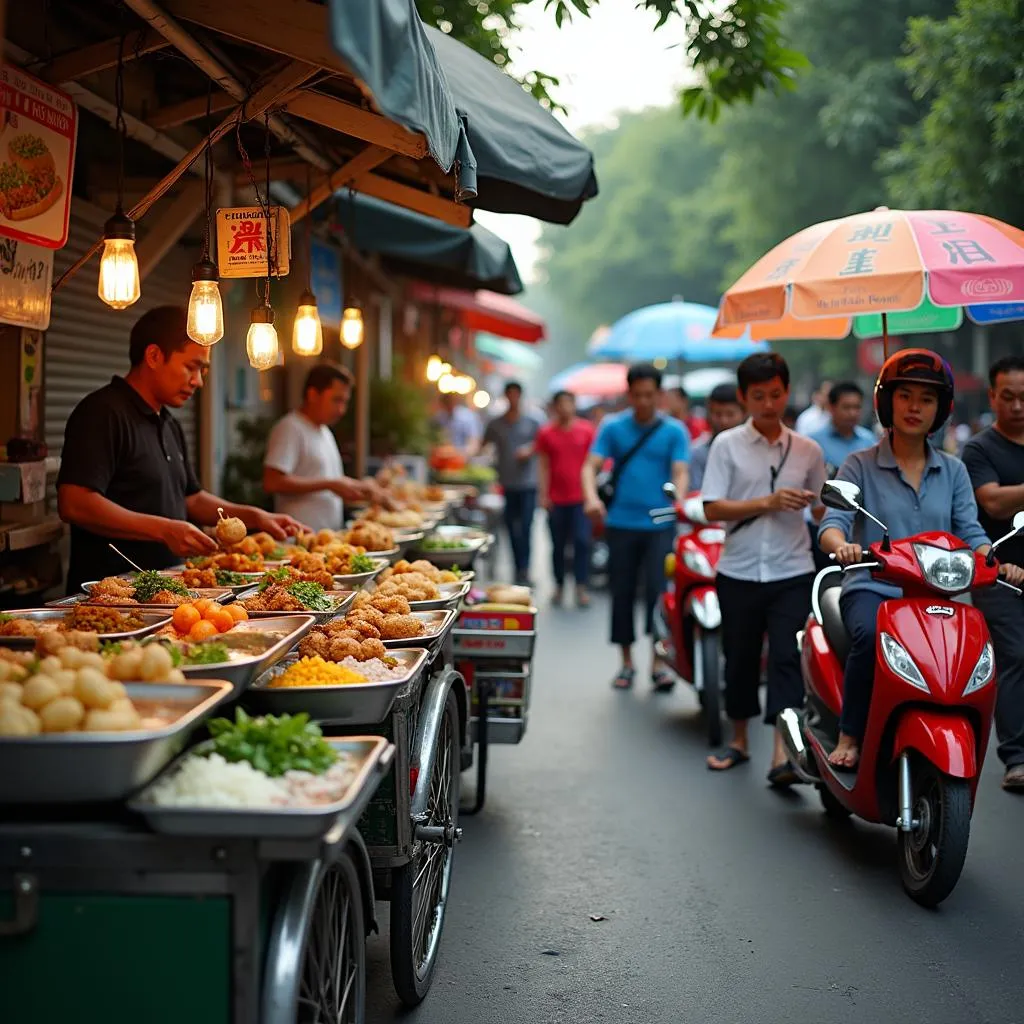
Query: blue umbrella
[[672, 330]]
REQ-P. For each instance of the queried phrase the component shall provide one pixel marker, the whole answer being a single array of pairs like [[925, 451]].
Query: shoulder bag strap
[[621, 464]]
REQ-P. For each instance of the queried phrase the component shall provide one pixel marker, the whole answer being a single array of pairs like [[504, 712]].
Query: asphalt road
[[723, 901]]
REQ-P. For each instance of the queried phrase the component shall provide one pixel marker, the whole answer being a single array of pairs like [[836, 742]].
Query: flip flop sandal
[[624, 679], [662, 680], [783, 775], [732, 757]]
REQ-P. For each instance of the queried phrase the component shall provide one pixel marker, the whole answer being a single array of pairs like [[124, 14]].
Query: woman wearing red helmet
[[913, 487]]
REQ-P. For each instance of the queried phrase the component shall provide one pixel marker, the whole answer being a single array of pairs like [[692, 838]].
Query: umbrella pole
[[885, 336]]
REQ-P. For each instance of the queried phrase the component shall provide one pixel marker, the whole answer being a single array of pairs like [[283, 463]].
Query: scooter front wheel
[[932, 854], [707, 662]]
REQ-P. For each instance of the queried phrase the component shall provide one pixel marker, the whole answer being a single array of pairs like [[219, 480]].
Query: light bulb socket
[[307, 298], [119, 227], [261, 315], [205, 270]]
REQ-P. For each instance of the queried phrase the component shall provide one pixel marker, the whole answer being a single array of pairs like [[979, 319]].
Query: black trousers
[[629, 553], [749, 612], [1004, 613]]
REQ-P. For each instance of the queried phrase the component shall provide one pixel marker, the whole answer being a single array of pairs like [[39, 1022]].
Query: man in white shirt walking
[[816, 416], [302, 467]]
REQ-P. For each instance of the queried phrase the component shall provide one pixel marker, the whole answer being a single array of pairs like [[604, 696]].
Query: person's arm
[[680, 456], [718, 482], [965, 511], [600, 453], [203, 508], [277, 482], [836, 526], [543, 478], [817, 474], [999, 501]]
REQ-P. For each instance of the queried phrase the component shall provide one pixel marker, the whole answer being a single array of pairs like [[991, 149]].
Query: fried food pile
[[200, 579], [360, 634], [306, 568], [114, 591], [394, 518], [423, 568], [232, 561], [274, 599], [336, 560], [81, 619], [369, 536], [411, 586]]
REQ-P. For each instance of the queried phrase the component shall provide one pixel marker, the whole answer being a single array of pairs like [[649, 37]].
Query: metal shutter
[[87, 342]]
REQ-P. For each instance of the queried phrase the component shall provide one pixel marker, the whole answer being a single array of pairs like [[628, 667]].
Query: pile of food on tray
[[423, 568], [369, 536], [409, 586], [396, 519], [84, 618], [269, 761], [314, 670], [76, 690], [141, 588], [336, 559], [293, 596], [229, 561], [200, 620], [397, 483], [205, 579], [439, 543], [361, 633]]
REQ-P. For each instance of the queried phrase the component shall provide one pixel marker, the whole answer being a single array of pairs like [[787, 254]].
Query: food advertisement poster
[[242, 241], [37, 159], [26, 276]]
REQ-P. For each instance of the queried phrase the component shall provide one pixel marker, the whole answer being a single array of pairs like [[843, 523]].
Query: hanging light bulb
[[205, 310], [261, 342], [435, 367], [352, 327], [481, 399], [307, 334], [446, 384], [119, 267]]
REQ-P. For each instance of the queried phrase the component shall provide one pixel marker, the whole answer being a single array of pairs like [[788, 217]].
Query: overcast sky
[[610, 62]]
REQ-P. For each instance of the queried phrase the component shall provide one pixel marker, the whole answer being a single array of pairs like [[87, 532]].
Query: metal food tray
[[320, 618], [375, 752], [476, 541], [357, 580], [362, 703], [221, 594], [72, 767], [153, 622], [390, 556], [235, 588], [438, 625], [242, 671], [451, 595], [494, 643]]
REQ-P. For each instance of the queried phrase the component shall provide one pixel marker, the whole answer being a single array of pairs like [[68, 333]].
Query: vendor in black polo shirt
[[125, 474]]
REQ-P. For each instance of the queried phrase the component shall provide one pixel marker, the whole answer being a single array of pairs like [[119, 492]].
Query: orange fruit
[[205, 606], [237, 612], [185, 617], [202, 630], [222, 619]]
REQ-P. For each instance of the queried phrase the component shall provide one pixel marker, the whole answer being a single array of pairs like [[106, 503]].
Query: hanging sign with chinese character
[[38, 131], [26, 274], [242, 241]]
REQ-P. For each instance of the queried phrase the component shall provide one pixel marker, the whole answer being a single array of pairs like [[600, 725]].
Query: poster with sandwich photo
[[37, 157]]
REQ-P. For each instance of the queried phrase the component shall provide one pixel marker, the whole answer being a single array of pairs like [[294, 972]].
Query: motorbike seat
[[832, 623]]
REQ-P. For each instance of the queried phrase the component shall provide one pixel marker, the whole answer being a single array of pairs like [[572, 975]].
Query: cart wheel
[[419, 889], [332, 986]]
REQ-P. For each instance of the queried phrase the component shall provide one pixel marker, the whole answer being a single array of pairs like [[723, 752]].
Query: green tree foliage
[[967, 151]]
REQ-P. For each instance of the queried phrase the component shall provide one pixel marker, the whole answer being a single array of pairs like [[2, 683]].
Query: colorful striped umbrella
[[889, 271]]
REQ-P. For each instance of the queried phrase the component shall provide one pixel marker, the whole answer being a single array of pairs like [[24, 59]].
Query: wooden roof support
[[164, 233], [430, 205], [347, 174], [100, 56], [176, 114]]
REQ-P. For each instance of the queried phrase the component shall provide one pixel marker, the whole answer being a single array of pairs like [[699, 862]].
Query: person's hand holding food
[[184, 539], [277, 524]]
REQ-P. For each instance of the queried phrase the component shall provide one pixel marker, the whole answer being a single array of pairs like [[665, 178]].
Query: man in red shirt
[[563, 445]]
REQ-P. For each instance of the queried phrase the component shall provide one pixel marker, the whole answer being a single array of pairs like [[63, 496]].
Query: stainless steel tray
[[71, 767], [476, 541], [153, 622], [252, 580], [221, 594], [364, 703], [451, 595], [357, 580], [320, 618], [374, 752], [438, 625], [390, 556], [242, 671]]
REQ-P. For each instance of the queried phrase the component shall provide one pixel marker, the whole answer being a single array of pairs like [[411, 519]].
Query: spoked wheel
[[332, 989], [419, 890], [932, 854], [707, 669]]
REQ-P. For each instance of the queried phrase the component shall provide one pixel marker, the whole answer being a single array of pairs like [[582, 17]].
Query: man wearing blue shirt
[[647, 450]]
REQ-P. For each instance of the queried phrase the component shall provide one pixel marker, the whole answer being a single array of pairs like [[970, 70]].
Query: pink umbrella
[[598, 380]]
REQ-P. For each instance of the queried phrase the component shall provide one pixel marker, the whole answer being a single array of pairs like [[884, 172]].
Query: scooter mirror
[[1018, 522], [693, 509], [841, 495], [669, 490]]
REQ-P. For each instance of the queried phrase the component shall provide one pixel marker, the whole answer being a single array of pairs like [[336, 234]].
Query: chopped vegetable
[[272, 744], [226, 578], [274, 576], [205, 654], [4, 617], [361, 563], [149, 583], [443, 544], [312, 596]]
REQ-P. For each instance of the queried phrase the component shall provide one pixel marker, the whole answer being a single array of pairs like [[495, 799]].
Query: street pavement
[[720, 900]]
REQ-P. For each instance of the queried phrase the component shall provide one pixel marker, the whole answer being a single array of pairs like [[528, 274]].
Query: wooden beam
[[351, 120], [101, 56], [165, 232], [281, 169], [175, 114], [348, 174], [438, 207]]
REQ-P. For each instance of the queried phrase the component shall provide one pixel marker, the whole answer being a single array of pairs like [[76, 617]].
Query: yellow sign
[[242, 241]]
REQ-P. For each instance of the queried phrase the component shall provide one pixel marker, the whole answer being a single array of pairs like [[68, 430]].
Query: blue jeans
[[860, 616], [520, 503], [568, 524]]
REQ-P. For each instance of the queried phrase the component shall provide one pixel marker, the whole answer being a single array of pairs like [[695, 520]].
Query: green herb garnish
[[443, 544], [274, 576], [312, 596], [211, 653], [149, 583], [108, 650], [277, 554], [226, 578], [4, 618], [273, 745], [362, 563]]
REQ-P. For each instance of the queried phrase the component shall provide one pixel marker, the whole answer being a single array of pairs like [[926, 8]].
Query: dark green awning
[[385, 44], [427, 249]]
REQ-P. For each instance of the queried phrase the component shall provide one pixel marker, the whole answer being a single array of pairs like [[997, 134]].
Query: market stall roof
[[485, 311], [512, 353], [427, 249]]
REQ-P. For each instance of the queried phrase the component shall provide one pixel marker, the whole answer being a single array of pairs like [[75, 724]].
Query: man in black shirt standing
[[125, 474], [995, 461]]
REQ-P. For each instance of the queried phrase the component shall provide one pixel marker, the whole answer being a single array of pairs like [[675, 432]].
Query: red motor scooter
[[931, 705], [688, 619]]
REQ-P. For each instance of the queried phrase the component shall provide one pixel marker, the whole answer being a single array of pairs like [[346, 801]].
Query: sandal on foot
[[662, 680], [732, 756], [624, 679], [844, 766], [783, 775]]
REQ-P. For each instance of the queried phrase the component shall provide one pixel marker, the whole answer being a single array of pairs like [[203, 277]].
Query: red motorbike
[[931, 705], [688, 620]]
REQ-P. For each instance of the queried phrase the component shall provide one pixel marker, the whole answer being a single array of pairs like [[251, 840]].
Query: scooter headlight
[[951, 571], [897, 658], [983, 671], [697, 562]]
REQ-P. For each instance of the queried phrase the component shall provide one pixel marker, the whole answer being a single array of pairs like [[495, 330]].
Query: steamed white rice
[[213, 782], [374, 669]]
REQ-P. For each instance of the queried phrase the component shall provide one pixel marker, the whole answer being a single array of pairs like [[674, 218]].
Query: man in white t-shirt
[[302, 467]]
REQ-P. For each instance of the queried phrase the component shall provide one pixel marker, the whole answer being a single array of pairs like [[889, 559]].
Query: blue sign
[[996, 312], [326, 280]]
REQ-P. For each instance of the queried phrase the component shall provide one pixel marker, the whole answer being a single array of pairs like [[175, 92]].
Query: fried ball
[[230, 530], [343, 647], [368, 613], [401, 627], [392, 605], [366, 629], [371, 648], [313, 644], [62, 715], [39, 691]]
